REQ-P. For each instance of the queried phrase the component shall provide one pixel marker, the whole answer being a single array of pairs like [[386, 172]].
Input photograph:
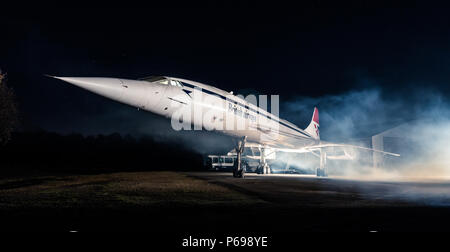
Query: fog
[[417, 121], [110, 117]]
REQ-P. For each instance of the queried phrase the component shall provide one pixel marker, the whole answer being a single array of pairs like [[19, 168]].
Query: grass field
[[181, 202], [131, 189], [149, 201]]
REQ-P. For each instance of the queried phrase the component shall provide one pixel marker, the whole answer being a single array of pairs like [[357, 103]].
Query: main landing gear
[[263, 167], [322, 170]]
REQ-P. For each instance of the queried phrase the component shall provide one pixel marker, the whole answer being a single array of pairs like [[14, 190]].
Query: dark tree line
[[8, 110], [42, 151]]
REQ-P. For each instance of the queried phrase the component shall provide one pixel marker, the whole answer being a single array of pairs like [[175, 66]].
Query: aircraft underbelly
[[273, 139]]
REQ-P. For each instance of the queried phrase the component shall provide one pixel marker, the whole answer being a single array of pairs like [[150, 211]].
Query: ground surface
[[208, 202]]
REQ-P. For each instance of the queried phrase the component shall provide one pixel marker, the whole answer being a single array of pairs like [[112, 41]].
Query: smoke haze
[[416, 121]]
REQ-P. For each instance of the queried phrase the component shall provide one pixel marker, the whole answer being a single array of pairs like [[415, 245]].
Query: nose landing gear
[[239, 169]]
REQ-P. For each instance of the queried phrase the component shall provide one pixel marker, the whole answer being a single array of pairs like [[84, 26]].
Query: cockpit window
[[156, 79], [153, 78], [162, 80], [175, 83]]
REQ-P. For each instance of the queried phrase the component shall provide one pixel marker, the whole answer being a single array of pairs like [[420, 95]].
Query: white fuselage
[[199, 106]]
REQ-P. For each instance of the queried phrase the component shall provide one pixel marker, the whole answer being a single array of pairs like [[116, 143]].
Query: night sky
[[311, 50]]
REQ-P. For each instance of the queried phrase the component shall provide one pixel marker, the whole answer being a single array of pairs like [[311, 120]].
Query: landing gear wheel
[[239, 174], [242, 173], [321, 173], [259, 170]]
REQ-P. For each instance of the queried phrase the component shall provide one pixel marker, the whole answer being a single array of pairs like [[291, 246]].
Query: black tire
[[321, 173], [238, 174], [241, 174]]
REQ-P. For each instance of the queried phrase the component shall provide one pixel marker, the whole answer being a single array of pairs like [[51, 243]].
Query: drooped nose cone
[[108, 87], [141, 94]]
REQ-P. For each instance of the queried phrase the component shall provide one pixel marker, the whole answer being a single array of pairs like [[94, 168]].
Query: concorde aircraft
[[193, 105]]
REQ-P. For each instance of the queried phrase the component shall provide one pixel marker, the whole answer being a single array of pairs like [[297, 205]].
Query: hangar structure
[[404, 139]]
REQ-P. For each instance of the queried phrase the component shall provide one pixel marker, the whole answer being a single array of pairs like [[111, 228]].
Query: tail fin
[[313, 127]]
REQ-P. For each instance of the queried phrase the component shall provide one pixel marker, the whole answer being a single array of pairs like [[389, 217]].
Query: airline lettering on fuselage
[[239, 112]]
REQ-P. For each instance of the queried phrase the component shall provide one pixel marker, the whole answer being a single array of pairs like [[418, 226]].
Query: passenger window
[[228, 160], [215, 160], [221, 160]]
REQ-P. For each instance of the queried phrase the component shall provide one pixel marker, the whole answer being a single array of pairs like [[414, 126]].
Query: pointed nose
[[108, 87]]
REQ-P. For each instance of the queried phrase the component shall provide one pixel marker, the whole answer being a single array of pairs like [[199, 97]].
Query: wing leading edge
[[314, 143], [326, 145]]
